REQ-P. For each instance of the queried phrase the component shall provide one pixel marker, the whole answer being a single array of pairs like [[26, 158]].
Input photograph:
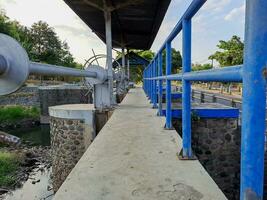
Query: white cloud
[[236, 12], [215, 5], [66, 23]]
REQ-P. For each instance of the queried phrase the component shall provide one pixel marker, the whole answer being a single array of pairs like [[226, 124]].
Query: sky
[[217, 20]]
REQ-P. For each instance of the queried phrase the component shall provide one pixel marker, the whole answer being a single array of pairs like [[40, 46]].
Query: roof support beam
[[125, 4], [128, 65], [107, 15], [90, 3], [123, 60]]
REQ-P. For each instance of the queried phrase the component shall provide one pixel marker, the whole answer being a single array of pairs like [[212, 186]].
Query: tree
[[199, 67], [148, 54], [48, 48], [24, 37], [40, 41], [46, 45], [232, 52], [176, 61], [7, 27]]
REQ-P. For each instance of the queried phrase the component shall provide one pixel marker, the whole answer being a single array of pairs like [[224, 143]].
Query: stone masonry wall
[[26, 96], [60, 96], [216, 143], [68, 142]]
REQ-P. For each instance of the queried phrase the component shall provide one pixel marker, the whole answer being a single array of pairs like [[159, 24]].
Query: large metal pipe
[[3, 64], [46, 69], [15, 67]]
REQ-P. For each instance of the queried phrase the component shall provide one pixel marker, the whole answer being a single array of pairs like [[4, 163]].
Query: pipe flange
[[101, 75], [17, 59]]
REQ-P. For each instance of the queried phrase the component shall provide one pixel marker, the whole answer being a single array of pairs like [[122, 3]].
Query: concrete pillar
[[72, 131]]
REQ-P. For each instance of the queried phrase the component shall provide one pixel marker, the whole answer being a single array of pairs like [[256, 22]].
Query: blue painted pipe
[[254, 100], [151, 83], [155, 84], [160, 90], [168, 124], [186, 95], [226, 74], [151, 74]]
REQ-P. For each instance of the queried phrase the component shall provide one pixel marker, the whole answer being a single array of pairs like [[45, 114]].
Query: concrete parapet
[[72, 131]]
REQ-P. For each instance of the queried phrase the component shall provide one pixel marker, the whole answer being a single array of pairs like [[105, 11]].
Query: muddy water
[[40, 190], [36, 136], [38, 186]]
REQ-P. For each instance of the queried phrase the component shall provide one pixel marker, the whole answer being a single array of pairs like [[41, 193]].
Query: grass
[[16, 113], [9, 164]]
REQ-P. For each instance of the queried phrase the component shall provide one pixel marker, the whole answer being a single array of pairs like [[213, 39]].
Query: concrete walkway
[[133, 157]]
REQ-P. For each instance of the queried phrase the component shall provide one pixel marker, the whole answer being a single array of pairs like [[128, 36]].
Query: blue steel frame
[[253, 74]]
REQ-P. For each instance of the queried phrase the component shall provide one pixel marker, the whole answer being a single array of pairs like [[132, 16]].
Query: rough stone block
[[72, 131]]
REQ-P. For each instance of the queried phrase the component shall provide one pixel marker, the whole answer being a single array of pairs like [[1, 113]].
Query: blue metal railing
[[253, 75]]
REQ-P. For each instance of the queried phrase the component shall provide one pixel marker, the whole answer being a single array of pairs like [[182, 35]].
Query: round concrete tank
[[60, 95], [72, 130]]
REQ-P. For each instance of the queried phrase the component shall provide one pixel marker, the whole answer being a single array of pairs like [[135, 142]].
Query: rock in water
[[6, 138]]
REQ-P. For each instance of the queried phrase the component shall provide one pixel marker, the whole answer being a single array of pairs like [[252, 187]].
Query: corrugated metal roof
[[136, 22]]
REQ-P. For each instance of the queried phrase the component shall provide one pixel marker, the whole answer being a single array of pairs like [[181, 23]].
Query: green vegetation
[[9, 164], [40, 41], [198, 67], [231, 52], [15, 113], [176, 61]]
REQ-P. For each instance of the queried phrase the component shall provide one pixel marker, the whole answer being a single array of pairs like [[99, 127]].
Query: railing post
[[145, 81], [254, 100], [202, 97], [160, 85], [144, 87], [149, 82], [233, 103], [214, 99], [186, 94], [168, 124], [154, 84]]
